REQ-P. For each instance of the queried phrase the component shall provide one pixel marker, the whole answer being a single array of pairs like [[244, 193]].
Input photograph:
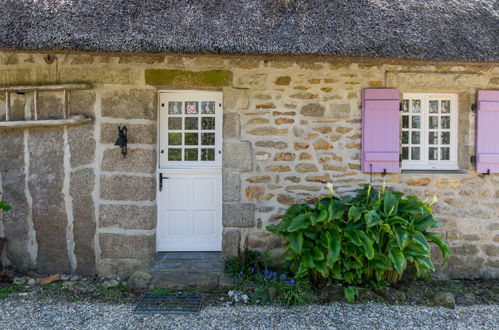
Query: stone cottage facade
[[290, 125]]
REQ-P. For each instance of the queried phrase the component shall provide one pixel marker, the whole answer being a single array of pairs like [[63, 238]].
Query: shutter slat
[[487, 137], [380, 130]]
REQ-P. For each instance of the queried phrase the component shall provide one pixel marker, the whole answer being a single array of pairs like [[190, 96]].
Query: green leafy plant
[[4, 206], [366, 239]]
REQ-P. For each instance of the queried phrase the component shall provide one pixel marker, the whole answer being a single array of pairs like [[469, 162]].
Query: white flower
[[433, 201], [230, 293], [329, 186]]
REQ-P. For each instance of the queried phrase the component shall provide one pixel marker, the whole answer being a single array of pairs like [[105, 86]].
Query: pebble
[[45, 312]]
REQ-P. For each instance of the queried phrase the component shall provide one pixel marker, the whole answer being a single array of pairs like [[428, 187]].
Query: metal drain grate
[[170, 303]]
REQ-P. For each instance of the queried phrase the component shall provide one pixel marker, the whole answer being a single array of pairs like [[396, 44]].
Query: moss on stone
[[180, 78]]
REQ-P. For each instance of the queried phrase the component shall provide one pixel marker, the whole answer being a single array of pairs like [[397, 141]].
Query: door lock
[[161, 178]]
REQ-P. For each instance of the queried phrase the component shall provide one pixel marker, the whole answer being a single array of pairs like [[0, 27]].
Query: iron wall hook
[[122, 139]]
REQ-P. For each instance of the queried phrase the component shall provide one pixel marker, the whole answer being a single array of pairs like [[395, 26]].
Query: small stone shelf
[[44, 123]]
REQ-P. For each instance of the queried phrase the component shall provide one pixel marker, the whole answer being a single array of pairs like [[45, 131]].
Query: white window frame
[[424, 163]]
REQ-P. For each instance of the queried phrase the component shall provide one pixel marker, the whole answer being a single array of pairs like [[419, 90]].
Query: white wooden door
[[190, 171]]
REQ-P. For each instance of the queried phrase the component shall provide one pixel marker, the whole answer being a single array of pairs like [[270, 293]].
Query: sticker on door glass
[[174, 108], [191, 108], [208, 107]]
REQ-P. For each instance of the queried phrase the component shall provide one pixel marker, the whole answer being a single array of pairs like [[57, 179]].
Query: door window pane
[[208, 154], [416, 106], [208, 107], [174, 154], [208, 139], [445, 138], [445, 106], [174, 108], [433, 154], [174, 123], [434, 106], [405, 137], [405, 106], [415, 138], [433, 122], [416, 121], [191, 154], [433, 138], [191, 139], [415, 154], [208, 123], [445, 153], [405, 121], [174, 139], [191, 123], [445, 122], [405, 153], [191, 108]]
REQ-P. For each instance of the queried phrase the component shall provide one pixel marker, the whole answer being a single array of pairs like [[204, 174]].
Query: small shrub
[[4, 206], [361, 240]]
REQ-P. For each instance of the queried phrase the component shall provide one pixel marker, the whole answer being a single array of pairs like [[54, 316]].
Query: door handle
[[161, 177]]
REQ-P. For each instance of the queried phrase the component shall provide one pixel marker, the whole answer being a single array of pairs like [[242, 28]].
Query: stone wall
[[290, 125]]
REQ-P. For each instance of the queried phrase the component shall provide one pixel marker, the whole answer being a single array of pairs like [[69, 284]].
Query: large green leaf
[[419, 238], [390, 203], [301, 221], [317, 254], [335, 210], [367, 243], [333, 245], [444, 247], [323, 215], [296, 241], [382, 262], [398, 259], [350, 293], [372, 218], [355, 213], [354, 236], [402, 237], [426, 222]]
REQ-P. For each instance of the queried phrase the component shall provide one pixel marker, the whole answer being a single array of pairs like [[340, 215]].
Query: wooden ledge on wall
[[72, 121]]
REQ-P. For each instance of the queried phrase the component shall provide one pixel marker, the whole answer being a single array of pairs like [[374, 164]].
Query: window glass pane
[[445, 122], [191, 123], [208, 123], [191, 154], [405, 153], [416, 106], [175, 108], [433, 106], [191, 139], [445, 153], [174, 139], [208, 107], [208, 154], [416, 121], [445, 138], [191, 108], [405, 106], [433, 122], [405, 121], [433, 138], [433, 153], [415, 153], [405, 137], [415, 138], [175, 123], [174, 154], [445, 106], [208, 139]]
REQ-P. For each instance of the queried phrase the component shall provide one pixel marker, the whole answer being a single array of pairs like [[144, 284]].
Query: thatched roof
[[415, 29]]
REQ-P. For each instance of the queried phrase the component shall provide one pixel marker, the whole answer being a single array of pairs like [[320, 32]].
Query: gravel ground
[[48, 313]]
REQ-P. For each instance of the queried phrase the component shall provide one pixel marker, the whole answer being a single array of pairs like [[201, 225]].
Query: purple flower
[[283, 276], [291, 282], [252, 270]]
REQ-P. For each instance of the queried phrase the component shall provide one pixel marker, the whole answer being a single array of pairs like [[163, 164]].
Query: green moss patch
[[180, 78]]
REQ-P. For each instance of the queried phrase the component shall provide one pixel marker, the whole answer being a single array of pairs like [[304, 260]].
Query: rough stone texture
[[231, 241], [232, 125], [136, 160], [137, 133], [15, 222], [139, 280], [127, 216], [123, 187], [188, 79], [82, 103], [134, 103], [235, 99], [238, 215], [82, 145], [114, 246], [237, 156], [81, 188], [99, 75], [46, 175], [121, 267], [231, 186]]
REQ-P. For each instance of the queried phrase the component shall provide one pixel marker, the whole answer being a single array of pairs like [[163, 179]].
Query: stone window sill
[[434, 172]]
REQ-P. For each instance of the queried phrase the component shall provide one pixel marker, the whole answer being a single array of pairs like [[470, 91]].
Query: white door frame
[[198, 170]]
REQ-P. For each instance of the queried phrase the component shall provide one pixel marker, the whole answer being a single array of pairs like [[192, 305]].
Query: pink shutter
[[380, 130], [487, 127]]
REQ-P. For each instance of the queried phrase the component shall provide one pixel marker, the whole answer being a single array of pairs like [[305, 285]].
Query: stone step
[[187, 270]]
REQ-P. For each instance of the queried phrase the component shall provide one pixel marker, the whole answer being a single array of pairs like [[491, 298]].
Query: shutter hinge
[[473, 159], [400, 107], [473, 107]]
